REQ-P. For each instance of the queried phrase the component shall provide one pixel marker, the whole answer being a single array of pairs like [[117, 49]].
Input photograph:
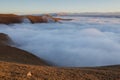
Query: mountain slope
[[12, 54]]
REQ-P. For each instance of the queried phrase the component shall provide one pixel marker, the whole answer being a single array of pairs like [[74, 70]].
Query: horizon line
[[57, 12]]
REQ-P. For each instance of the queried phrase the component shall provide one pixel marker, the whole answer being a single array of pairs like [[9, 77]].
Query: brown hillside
[[42, 19], [5, 40], [10, 18], [12, 54], [36, 19], [13, 71]]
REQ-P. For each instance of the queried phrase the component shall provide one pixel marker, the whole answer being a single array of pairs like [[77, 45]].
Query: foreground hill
[[17, 64], [15, 71]]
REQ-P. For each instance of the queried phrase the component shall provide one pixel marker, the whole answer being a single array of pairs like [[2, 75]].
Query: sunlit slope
[[11, 71]]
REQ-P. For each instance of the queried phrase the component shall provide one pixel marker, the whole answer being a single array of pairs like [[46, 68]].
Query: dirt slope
[[12, 54], [13, 71]]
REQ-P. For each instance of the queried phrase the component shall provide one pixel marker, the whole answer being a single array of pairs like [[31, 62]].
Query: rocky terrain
[[15, 71], [12, 18]]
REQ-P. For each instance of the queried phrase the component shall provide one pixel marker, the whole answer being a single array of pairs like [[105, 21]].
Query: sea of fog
[[84, 41]]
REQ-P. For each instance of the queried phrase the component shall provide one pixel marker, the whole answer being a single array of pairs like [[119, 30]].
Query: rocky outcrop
[[36, 19], [12, 19], [42, 19]]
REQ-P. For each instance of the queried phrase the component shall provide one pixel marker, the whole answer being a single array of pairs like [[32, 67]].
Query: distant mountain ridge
[[90, 14], [12, 19]]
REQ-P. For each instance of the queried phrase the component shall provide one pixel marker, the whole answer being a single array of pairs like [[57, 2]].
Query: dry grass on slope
[[13, 71]]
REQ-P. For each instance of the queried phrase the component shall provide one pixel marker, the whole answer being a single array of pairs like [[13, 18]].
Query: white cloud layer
[[81, 42]]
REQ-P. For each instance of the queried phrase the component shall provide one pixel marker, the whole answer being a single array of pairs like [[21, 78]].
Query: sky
[[51, 6]]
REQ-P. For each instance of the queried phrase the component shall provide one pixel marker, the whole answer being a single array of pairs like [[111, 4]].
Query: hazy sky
[[43, 6]]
